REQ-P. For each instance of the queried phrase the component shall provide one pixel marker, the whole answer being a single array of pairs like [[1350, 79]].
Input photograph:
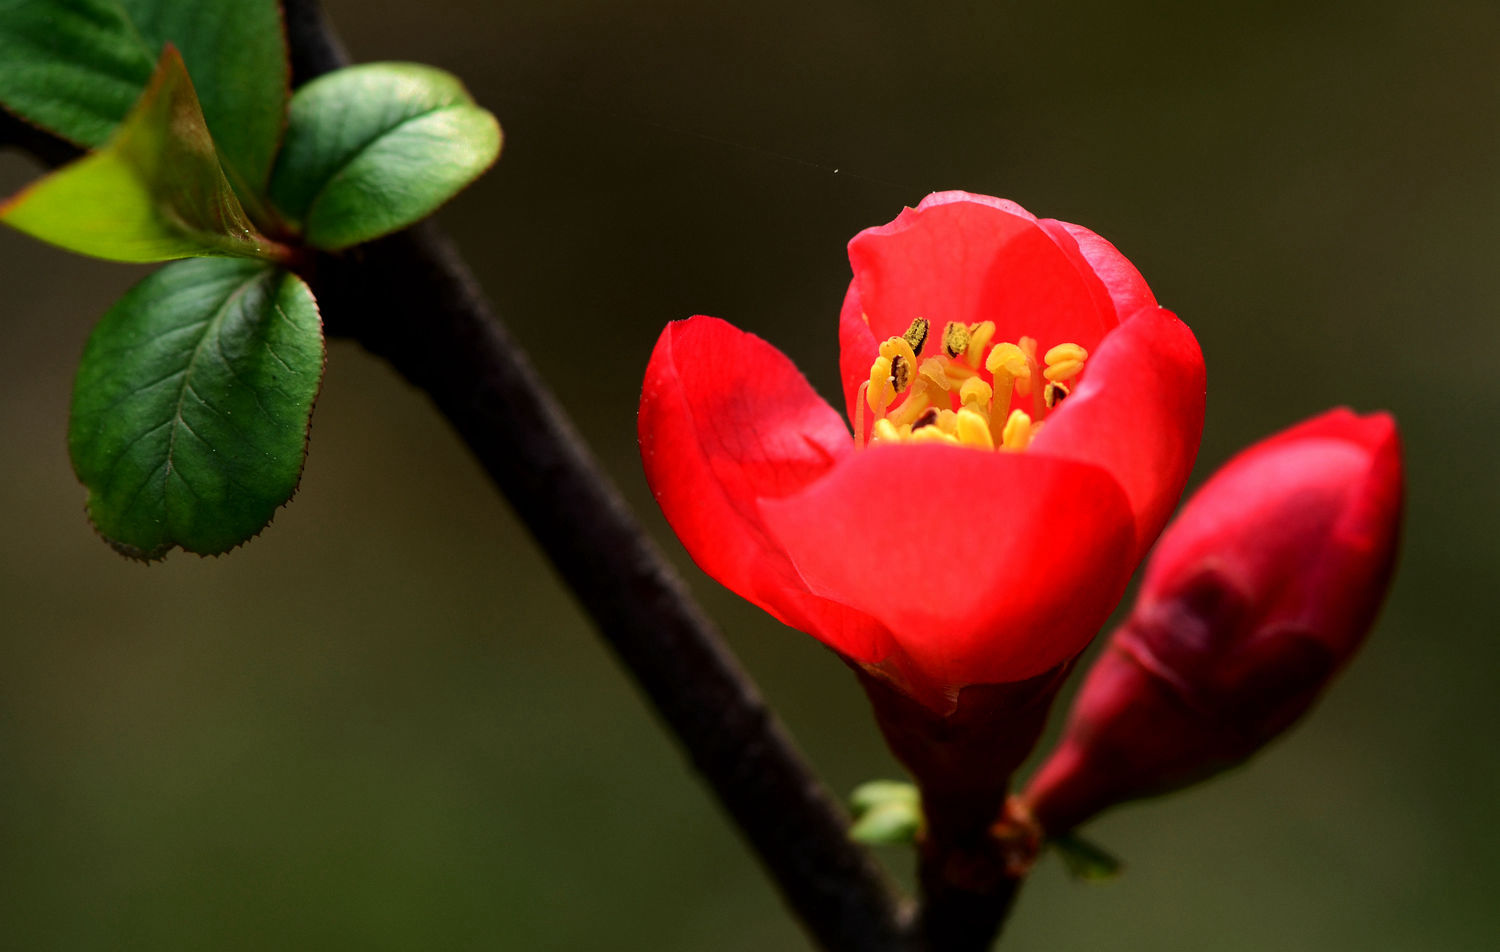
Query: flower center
[[974, 392]]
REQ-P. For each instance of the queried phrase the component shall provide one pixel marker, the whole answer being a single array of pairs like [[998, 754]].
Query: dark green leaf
[[76, 66], [374, 148], [192, 405], [155, 191], [1085, 860]]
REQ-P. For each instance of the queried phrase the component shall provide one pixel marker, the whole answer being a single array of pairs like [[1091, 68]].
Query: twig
[[410, 299]]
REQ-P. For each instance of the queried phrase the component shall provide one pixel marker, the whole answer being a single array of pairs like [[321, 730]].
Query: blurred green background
[[385, 725]]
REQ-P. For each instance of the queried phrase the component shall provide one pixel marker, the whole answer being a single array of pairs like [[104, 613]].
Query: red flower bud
[[1257, 594]]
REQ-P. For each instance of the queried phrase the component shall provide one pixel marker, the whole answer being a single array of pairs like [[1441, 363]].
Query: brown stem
[[977, 844]]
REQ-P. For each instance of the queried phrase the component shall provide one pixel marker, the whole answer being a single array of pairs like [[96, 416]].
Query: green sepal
[[374, 148], [75, 67], [192, 405], [1085, 859], [155, 191], [886, 812]]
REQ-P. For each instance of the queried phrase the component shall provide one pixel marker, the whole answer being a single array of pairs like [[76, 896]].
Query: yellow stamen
[[911, 408], [1066, 370], [955, 339], [931, 434], [1007, 363], [985, 418], [1053, 394], [1065, 352], [933, 373], [1017, 432], [903, 361], [1028, 347], [916, 334], [980, 336], [975, 391], [879, 395], [974, 430]]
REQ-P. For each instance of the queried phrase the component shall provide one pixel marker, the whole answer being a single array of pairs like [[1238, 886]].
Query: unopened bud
[[1256, 595]]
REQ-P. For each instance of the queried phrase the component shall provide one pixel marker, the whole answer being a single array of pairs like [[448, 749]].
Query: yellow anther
[[974, 430], [1017, 432], [900, 373], [928, 418], [898, 347], [932, 434], [980, 336], [879, 395], [955, 339], [885, 432], [1008, 363], [932, 372], [1053, 394], [1066, 370], [975, 391], [947, 421], [916, 334], [1063, 353], [1008, 358]]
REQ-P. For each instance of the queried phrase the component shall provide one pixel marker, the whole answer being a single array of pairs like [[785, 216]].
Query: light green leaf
[[886, 812], [75, 67], [155, 191], [373, 148], [192, 405]]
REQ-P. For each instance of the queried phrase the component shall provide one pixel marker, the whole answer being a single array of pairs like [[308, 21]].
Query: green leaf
[[192, 405], [373, 148], [886, 812], [1085, 859], [155, 191], [75, 67]]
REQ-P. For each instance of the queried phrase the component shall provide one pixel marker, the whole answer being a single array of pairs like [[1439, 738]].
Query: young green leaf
[[74, 67], [155, 191], [1085, 859], [374, 148], [886, 813], [192, 405]]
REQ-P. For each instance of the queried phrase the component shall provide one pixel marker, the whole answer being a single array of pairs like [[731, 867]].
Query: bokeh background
[[384, 724]]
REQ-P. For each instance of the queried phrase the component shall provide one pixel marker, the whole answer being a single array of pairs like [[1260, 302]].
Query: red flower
[[1258, 593], [913, 548]]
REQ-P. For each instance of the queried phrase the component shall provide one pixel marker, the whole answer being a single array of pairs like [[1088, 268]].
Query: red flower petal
[[986, 567], [1137, 413], [969, 258], [1126, 288], [726, 420]]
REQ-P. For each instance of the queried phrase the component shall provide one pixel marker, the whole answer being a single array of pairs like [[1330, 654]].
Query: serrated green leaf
[[192, 405], [75, 67], [154, 192], [374, 148], [1085, 859]]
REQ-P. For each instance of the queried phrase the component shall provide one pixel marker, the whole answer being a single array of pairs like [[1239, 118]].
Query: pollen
[[974, 391]]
